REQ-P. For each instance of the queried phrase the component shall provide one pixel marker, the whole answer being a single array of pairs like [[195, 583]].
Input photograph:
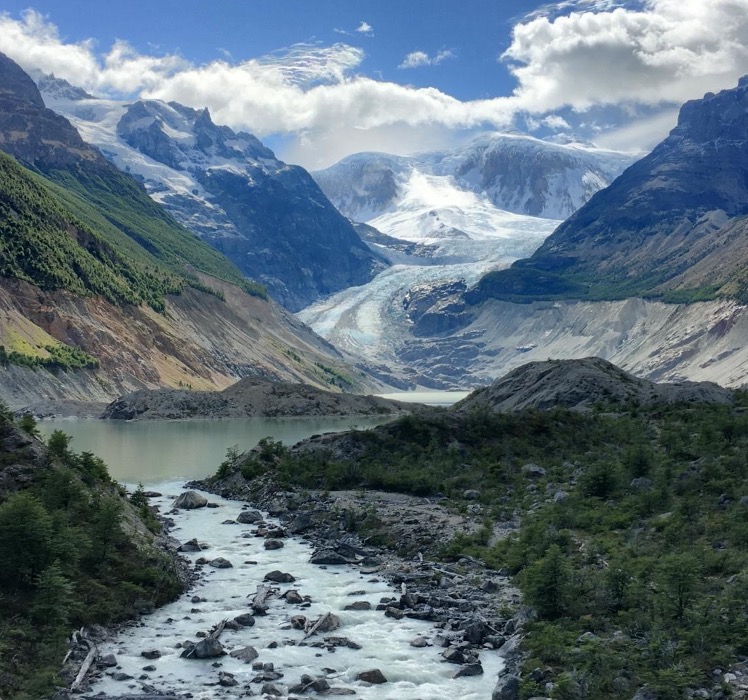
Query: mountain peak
[[16, 84], [671, 224], [723, 115], [60, 89]]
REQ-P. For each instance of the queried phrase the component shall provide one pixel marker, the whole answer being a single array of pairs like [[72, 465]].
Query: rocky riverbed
[[288, 603], [471, 607]]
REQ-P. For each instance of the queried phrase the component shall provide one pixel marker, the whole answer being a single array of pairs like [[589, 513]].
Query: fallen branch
[[216, 631], [259, 602], [84, 666]]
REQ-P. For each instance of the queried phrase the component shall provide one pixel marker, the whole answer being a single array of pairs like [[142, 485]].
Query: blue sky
[[317, 79]]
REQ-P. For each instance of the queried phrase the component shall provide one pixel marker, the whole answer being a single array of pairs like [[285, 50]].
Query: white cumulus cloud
[[663, 51], [416, 59], [576, 56]]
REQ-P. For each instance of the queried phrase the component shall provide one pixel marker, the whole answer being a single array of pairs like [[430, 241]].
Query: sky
[[319, 79]]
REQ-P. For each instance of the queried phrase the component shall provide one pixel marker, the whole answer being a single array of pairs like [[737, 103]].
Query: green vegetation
[[43, 243], [115, 204], [73, 554], [633, 548], [63, 357], [527, 281], [96, 235]]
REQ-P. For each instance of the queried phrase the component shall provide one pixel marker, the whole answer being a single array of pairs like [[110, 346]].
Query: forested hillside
[[75, 551]]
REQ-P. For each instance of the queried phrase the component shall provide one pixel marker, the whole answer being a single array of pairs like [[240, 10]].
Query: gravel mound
[[582, 384], [249, 397]]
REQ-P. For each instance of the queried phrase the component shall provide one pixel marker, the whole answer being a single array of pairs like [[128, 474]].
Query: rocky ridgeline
[[249, 397], [581, 385]]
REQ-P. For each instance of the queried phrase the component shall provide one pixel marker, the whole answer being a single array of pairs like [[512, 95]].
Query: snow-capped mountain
[[269, 218], [508, 171]]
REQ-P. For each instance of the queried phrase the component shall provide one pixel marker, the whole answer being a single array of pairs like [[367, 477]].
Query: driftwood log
[[259, 602]]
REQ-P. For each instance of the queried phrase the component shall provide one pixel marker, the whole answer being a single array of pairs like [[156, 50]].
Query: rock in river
[[189, 500]]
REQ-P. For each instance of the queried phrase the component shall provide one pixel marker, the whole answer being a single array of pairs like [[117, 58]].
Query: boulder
[[221, 563], [506, 689], [151, 654], [189, 500], [190, 546], [246, 654], [226, 680], [469, 670], [245, 620], [249, 517], [373, 675], [108, 661], [453, 655], [272, 689], [205, 649], [293, 597], [279, 577], [533, 471], [301, 523], [329, 557], [273, 544], [475, 631], [327, 623], [359, 605]]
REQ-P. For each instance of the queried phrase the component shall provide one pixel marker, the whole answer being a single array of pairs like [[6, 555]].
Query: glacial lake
[[153, 451]]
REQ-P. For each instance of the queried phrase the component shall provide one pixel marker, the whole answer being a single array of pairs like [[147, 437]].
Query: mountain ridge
[[673, 225], [516, 173], [269, 217], [102, 292]]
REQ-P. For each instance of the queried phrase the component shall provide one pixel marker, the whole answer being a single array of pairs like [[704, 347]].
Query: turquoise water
[[151, 451]]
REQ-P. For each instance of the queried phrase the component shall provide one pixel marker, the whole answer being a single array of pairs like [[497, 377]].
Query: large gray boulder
[[374, 675], [189, 500]]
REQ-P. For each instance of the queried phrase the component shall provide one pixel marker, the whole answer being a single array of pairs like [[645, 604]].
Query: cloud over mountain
[[578, 56]]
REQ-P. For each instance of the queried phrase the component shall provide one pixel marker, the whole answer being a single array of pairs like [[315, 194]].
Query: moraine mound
[[582, 384], [249, 397]]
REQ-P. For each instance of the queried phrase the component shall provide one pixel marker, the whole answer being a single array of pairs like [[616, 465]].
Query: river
[[162, 454]]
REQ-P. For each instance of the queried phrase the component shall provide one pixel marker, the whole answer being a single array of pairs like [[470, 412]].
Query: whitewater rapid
[[411, 672]]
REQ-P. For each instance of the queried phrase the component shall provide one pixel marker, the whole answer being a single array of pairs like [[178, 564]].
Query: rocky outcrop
[[248, 397], [582, 384]]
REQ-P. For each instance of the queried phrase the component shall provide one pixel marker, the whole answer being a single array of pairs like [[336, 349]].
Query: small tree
[[548, 584], [27, 422], [58, 443], [25, 539], [678, 575], [53, 600]]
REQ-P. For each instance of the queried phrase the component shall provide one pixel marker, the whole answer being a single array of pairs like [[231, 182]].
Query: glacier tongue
[[371, 322]]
